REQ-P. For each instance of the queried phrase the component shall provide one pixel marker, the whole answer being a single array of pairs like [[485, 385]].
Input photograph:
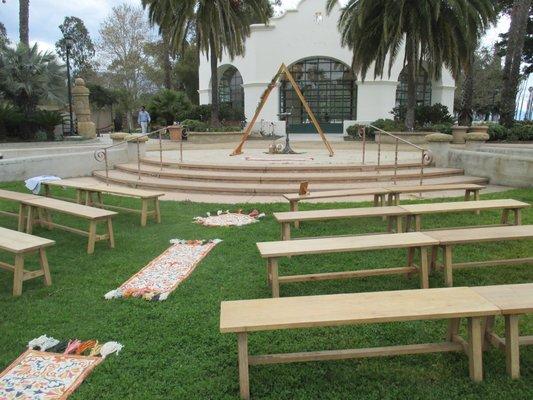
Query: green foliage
[[200, 113], [4, 40], [47, 121], [388, 125], [496, 131], [425, 115], [521, 130], [353, 130], [10, 121], [203, 113], [168, 106], [442, 128], [194, 125], [101, 97], [82, 50]]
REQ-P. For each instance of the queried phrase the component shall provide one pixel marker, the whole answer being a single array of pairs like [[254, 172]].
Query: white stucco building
[[307, 40]]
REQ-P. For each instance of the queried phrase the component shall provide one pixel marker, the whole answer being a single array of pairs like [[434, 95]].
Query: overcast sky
[[47, 15]]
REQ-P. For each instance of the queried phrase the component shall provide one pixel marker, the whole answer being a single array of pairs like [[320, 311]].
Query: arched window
[[330, 89], [423, 88], [230, 90]]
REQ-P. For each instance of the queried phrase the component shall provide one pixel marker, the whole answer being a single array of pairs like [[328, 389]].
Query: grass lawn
[[173, 349]]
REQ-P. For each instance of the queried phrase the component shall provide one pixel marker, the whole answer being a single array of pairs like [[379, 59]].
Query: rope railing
[[426, 157], [101, 155]]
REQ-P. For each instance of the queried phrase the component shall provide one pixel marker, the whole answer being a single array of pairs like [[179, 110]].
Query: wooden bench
[[244, 316], [394, 214], [43, 206], [513, 301], [415, 211], [14, 197], [392, 192], [452, 237], [21, 244], [411, 241], [91, 195]]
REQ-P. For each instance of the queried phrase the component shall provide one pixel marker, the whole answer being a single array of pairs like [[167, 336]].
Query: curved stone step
[[286, 177], [165, 184], [276, 168]]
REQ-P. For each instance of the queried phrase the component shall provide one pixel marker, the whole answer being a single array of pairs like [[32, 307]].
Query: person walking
[[143, 119]]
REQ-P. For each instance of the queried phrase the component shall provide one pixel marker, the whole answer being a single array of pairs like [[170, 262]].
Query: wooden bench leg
[[467, 194], [285, 231], [244, 379], [453, 329], [274, 275], [293, 205], [487, 331], [434, 256], [144, 212], [29, 219], [475, 349], [44, 267], [269, 273], [399, 228], [410, 258], [110, 233], [376, 200], [448, 269], [418, 223], [18, 274], [22, 218], [505, 217], [408, 223], [390, 199], [79, 195], [512, 351], [476, 198], [424, 271], [157, 210], [517, 216], [92, 237]]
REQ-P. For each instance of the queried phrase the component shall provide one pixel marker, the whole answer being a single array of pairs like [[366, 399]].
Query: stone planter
[[475, 139], [459, 133], [439, 145], [175, 132], [479, 129]]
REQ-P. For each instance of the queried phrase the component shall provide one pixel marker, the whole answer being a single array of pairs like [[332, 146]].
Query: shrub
[[203, 113], [425, 115], [47, 121], [442, 128], [195, 125], [167, 106], [388, 125], [11, 120], [521, 131], [497, 131]]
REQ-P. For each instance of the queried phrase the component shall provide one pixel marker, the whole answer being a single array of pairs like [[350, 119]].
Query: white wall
[[294, 36]]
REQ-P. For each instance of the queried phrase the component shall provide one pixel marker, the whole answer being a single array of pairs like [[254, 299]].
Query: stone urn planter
[[475, 139], [459, 133], [479, 128], [175, 132]]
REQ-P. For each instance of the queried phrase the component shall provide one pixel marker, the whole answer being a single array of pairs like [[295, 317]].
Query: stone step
[[286, 177], [282, 167], [264, 189]]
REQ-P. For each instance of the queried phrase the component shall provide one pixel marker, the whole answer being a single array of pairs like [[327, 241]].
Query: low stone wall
[[413, 137], [213, 137], [64, 165]]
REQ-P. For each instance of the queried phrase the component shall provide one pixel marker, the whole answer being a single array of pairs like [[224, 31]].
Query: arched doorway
[[423, 88], [330, 89], [230, 90]]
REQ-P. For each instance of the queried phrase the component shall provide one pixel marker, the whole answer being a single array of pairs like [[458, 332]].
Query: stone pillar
[[439, 145], [80, 103], [474, 140]]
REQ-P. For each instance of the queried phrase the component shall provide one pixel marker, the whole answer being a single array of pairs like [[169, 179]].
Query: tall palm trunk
[[167, 65], [24, 21], [411, 83], [467, 95], [513, 58], [214, 84]]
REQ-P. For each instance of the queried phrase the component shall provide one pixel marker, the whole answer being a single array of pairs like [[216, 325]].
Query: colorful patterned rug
[[163, 274], [226, 218]]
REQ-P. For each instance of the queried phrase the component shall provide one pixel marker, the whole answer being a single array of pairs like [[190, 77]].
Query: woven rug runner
[[163, 274], [38, 375], [227, 218]]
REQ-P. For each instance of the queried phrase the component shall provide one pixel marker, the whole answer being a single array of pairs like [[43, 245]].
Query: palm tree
[[24, 21], [433, 32], [513, 58], [221, 26]]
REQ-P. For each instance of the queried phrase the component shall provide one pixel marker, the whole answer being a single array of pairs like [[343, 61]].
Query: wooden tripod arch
[[283, 70]]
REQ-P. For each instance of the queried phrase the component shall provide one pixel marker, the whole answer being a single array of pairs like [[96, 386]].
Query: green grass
[[173, 350]]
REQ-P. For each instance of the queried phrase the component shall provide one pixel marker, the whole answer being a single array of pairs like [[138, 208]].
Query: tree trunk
[[167, 65], [513, 59], [214, 84], [411, 83], [465, 114], [24, 21]]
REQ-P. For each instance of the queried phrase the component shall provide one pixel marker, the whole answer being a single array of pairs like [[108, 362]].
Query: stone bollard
[[132, 145], [82, 109], [474, 140], [459, 133], [118, 137], [439, 145]]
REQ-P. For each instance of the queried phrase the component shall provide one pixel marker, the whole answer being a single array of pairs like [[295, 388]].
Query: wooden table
[[21, 244], [452, 237], [44, 205], [91, 195], [415, 211], [244, 316], [513, 301], [411, 241]]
